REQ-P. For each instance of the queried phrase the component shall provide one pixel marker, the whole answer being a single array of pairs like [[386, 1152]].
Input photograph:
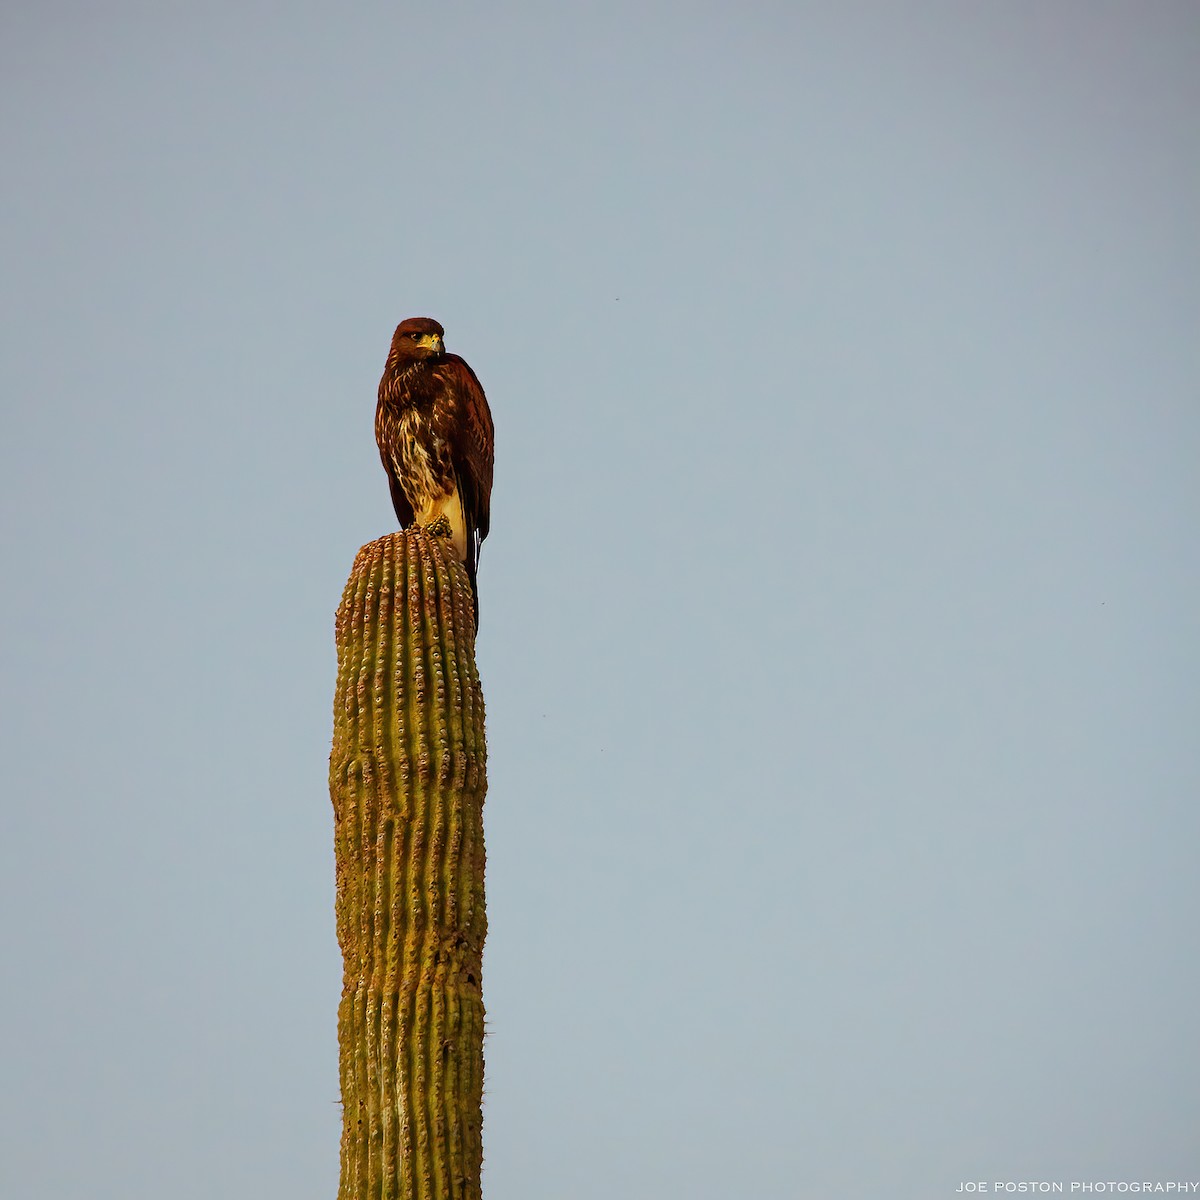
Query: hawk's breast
[[423, 467]]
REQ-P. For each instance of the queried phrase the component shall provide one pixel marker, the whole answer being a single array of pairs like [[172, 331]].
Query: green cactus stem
[[407, 777]]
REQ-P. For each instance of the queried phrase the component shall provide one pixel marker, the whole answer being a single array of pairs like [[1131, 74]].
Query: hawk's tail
[[472, 565]]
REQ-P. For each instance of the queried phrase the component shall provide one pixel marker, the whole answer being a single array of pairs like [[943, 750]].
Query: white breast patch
[[416, 471]]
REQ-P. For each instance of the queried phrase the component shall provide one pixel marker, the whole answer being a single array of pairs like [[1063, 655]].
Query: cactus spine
[[407, 777]]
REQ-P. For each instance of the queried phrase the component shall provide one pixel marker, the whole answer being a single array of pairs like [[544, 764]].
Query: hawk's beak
[[431, 341], [436, 343]]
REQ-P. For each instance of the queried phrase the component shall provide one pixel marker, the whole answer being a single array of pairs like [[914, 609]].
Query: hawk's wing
[[387, 436], [466, 424]]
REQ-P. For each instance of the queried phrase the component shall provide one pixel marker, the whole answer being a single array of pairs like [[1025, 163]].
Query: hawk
[[434, 431]]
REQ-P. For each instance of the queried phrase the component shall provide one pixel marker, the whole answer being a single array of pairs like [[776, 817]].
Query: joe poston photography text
[[1082, 1187]]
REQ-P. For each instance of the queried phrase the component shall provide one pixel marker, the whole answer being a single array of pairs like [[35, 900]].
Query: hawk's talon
[[439, 527]]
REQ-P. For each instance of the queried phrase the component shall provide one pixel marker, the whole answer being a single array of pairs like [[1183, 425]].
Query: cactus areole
[[407, 777]]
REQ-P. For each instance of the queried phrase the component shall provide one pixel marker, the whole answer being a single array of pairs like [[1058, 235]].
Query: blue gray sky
[[839, 620]]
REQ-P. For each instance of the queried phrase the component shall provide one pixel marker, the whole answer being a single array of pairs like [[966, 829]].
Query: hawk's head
[[417, 338]]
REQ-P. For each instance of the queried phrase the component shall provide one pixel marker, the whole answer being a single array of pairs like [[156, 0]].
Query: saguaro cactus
[[407, 776]]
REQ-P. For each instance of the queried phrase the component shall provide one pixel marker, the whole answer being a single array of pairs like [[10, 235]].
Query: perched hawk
[[434, 430]]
